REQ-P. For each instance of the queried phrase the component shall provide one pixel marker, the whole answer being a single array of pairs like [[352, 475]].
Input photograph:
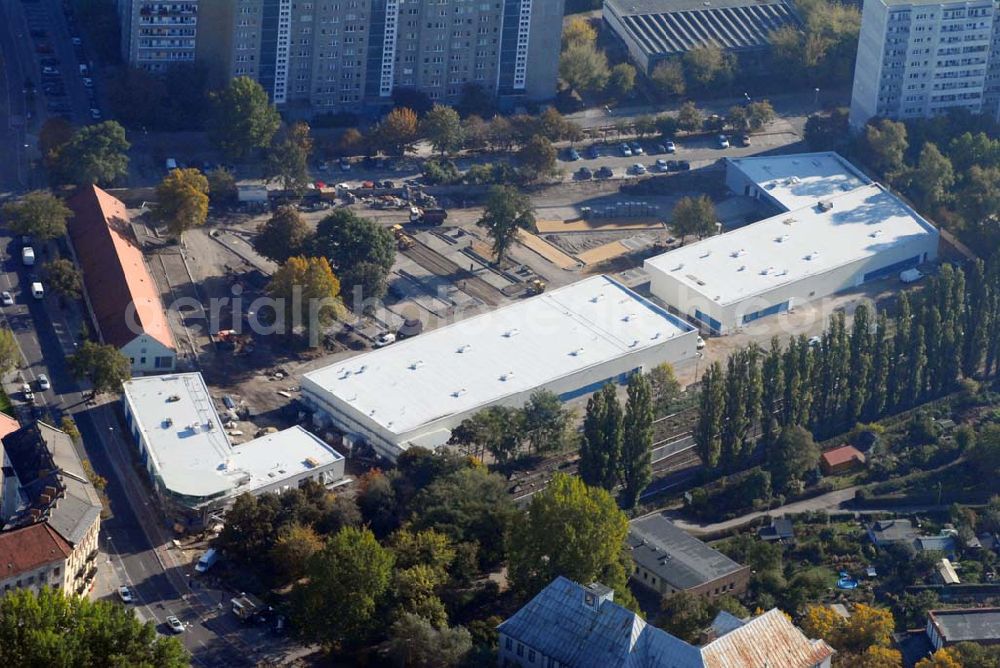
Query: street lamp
[[747, 96], [816, 99]]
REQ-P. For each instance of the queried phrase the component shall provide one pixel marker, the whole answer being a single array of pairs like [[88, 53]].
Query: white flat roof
[[189, 447], [481, 360], [799, 180], [794, 245]]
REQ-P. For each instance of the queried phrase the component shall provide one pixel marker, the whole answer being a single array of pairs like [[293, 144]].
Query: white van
[[37, 291], [28, 256], [171, 164], [207, 560]]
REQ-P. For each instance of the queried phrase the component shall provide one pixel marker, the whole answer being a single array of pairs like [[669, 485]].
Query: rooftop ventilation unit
[[824, 205], [705, 254], [507, 376], [876, 234], [782, 239], [511, 333], [464, 348], [766, 271], [743, 267], [596, 298], [788, 221], [738, 253], [678, 267], [416, 365], [628, 318], [458, 393], [172, 398], [577, 352], [812, 256]]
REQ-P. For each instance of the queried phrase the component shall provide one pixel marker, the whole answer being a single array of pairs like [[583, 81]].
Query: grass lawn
[[5, 404]]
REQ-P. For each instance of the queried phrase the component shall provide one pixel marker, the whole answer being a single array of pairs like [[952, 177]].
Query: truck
[[403, 240], [247, 607], [427, 216], [28, 256], [207, 560]]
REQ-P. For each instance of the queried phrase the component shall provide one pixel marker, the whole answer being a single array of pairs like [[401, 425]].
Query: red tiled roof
[[23, 550], [842, 455], [114, 272], [8, 425]]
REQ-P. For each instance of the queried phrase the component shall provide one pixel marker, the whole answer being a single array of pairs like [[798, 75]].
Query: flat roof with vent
[[835, 218], [481, 360], [190, 452]]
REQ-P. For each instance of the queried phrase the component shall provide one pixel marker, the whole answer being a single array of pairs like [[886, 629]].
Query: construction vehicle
[[427, 216], [536, 287], [229, 340], [403, 240]]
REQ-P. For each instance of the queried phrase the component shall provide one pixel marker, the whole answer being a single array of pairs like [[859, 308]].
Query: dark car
[[584, 174], [593, 152], [683, 165], [43, 47], [605, 172], [49, 62], [39, 33], [410, 327], [673, 166]]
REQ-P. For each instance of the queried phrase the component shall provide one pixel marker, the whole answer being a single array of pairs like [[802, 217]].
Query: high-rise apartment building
[[156, 35], [919, 58], [340, 55]]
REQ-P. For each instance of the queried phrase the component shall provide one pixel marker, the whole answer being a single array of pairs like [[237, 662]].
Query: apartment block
[[352, 54], [920, 58]]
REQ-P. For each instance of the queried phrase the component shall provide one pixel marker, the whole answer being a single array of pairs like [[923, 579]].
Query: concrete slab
[[548, 251], [598, 225], [603, 252]]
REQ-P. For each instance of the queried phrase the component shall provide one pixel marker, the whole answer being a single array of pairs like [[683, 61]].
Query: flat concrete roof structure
[[837, 230], [186, 450], [978, 625], [570, 341]]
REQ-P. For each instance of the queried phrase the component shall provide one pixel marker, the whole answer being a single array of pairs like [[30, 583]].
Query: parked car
[[573, 155], [638, 169], [670, 147], [49, 70], [6, 298], [584, 174], [683, 165], [661, 166], [605, 172], [626, 150], [27, 394], [815, 341], [125, 594], [700, 343], [95, 113], [385, 339], [43, 47], [744, 140], [176, 625], [77, 41], [43, 382], [723, 141], [673, 166], [636, 148], [593, 152], [88, 82], [345, 165], [910, 275]]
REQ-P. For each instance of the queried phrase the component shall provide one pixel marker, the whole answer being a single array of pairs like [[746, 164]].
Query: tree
[[881, 657], [693, 216], [827, 132], [666, 125], [182, 200], [708, 65], [579, 31], [284, 235], [712, 406], [397, 132], [545, 421], [685, 615], [622, 79], [792, 456], [759, 114], [885, 146], [537, 158], [347, 582], [288, 159], [664, 387], [689, 117], [414, 641], [414, 592], [475, 100], [63, 277], [574, 531], [49, 628], [943, 658], [351, 142], [243, 119], [468, 505], [979, 203], [39, 214], [306, 289], [507, 212], [475, 133], [55, 133], [10, 353], [96, 154], [637, 440], [294, 548], [103, 365], [668, 78], [221, 186], [443, 129], [600, 449], [584, 68], [933, 176], [985, 453], [428, 547], [361, 251], [644, 125]]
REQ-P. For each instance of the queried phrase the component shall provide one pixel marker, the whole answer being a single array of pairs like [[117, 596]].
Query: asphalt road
[[14, 66], [214, 636]]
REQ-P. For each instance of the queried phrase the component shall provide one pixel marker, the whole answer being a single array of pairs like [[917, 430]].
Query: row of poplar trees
[[616, 444], [876, 367]]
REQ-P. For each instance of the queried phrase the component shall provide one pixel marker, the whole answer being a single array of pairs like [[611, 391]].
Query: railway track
[[464, 279]]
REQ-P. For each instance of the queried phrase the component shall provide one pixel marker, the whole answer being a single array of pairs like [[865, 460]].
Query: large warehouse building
[[190, 459], [836, 230], [569, 341]]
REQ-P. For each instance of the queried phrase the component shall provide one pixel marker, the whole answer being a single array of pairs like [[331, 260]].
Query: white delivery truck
[[28, 256], [207, 560], [37, 291]]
